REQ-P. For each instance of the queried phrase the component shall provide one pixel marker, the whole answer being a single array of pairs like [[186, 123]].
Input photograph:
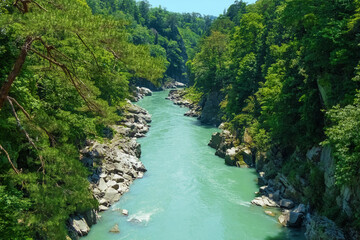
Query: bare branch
[[25, 5], [41, 7], [21, 107], [19, 124], [114, 53], [51, 137], [26, 134], [97, 64], [8, 157], [91, 105]]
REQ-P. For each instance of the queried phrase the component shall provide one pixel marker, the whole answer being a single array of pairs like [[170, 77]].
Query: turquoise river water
[[187, 193]]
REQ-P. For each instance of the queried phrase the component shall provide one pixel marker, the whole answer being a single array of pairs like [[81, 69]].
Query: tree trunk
[[5, 89]]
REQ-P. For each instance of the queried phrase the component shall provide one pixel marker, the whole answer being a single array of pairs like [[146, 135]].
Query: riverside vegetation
[[284, 76], [281, 74], [67, 68]]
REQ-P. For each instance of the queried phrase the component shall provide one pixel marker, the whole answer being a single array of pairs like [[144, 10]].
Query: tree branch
[[25, 8], [39, 6], [5, 89], [19, 124], [26, 134], [113, 53], [51, 137], [8, 157], [97, 64], [67, 72]]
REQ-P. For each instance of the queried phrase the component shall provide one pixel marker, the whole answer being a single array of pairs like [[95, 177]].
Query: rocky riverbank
[[276, 194], [207, 110], [114, 164], [177, 96], [140, 93]]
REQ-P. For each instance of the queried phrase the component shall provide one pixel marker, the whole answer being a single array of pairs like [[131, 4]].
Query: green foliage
[[176, 34], [210, 66], [288, 63], [12, 210], [58, 192], [193, 95], [344, 135], [64, 107]]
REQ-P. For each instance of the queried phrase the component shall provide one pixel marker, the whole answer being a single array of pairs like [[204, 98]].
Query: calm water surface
[[188, 192]]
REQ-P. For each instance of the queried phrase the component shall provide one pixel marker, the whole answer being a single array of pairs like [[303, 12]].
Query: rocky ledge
[[240, 155], [140, 93], [173, 85], [207, 110], [177, 96], [114, 164]]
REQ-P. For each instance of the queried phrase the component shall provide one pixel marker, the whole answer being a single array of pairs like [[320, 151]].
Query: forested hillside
[[64, 76], [288, 72], [173, 36], [282, 74]]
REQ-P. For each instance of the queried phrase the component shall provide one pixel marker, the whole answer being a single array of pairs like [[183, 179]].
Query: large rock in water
[[115, 229], [216, 140], [264, 201], [291, 219]]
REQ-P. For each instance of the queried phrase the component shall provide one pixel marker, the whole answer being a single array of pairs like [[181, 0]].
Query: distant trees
[[176, 33]]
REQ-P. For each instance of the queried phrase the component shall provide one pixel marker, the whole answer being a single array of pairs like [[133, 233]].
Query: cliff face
[[207, 110], [211, 113]]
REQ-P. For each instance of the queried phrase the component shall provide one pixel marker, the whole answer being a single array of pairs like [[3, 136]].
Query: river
[[188, 193]]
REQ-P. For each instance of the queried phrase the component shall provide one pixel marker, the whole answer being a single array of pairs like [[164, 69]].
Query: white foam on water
[[142, 217], [244, 203]]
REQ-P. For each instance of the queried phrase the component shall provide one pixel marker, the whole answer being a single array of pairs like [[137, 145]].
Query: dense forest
[[173, 36], [288, 73], [66, 69]]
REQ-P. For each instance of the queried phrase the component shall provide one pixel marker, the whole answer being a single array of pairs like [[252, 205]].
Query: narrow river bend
[[188, 193]]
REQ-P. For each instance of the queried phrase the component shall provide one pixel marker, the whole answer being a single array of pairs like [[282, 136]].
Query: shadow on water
[[198, 123], [289, 234]]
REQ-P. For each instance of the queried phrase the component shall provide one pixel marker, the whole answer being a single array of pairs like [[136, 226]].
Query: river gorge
[[187, 192]]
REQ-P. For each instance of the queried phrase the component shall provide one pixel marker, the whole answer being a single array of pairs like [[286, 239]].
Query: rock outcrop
[[207, 110], [239, 155], [114, 165], [79, 225], [140, 93], [210, 105], [323, 228], [178, 98], [173, 85], [222, 141]]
